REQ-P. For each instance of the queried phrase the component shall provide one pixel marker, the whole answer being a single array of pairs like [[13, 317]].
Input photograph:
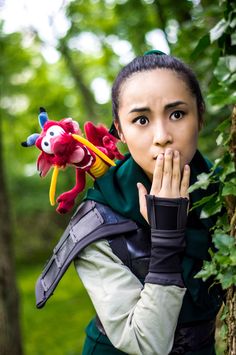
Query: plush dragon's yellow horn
[[94, 149], [53, 185], [88, 144]]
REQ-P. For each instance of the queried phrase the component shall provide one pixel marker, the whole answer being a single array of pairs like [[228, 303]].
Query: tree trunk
[[231, 292], [10, 339], [87, 97], [231, 321]]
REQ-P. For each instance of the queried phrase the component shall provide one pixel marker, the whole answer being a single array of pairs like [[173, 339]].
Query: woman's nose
[[162, 134]]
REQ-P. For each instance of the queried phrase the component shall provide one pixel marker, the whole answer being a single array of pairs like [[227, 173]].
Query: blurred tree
[[9, 311], [9, 308]]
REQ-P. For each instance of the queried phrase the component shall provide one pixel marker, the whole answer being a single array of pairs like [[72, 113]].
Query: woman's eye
[[177, 115], [141, 120]]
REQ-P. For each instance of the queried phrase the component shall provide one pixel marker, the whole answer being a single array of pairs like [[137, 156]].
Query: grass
[[58, 328]]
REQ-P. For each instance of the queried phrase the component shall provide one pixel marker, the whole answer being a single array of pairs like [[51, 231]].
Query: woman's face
[[157, 111]]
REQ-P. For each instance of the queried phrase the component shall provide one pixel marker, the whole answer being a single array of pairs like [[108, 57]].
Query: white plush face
[[157, 111], [52, 132]]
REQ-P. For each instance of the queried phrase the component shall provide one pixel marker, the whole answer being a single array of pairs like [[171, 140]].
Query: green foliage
[[201, 33], [222, 265], [64, 87], [223, 258]]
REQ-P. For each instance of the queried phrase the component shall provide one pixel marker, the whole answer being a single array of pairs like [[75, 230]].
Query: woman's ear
[[118, 128]]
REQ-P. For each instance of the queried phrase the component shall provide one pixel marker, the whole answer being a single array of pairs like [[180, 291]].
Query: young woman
[[141, 243], [141, 281]]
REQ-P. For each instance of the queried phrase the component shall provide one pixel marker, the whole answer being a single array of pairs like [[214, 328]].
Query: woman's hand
[[167, 181]]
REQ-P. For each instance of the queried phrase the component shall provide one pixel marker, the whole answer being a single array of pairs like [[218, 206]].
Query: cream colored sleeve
[[137, 320]]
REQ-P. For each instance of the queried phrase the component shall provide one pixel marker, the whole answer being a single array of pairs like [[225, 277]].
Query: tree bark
[[231, 292], [10, 337]]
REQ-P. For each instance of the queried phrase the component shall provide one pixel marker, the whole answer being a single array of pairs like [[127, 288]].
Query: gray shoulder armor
[[91, 222]]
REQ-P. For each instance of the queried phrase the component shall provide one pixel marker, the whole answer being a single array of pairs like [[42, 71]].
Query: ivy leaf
[[233, 21], [203, 43], [223, 224], [202, 182], [232, 79], [217, 163], [222, 96], [224, 125], [233, 38], [233, 256], [225, 67], [207, 271], [203, 200], [220, 139], [229, 188], [217, 31], [210, 209], [228, 170], [223, 242], [227, 279]]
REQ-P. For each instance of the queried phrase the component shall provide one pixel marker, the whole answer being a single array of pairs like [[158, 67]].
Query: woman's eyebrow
[[140, 109], [174, 104]]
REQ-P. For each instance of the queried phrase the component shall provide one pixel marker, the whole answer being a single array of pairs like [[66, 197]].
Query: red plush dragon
[[61, 144]]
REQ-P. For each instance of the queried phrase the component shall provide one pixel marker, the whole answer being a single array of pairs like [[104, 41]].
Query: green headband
[[155, 51]]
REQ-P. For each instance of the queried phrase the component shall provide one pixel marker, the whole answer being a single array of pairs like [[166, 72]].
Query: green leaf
[[227, 279], [227, 170], [223, 125], [223, 242], [232, 78], [202, 182], [204, 200], [225, 67], [220, 139], [207, 271], [233, 21], [233, 38], [217, 31], [217, 163], [223, 259], [233, 257], [229, 188], [223, 224], [210, 209], [203, 44], [222, 97]]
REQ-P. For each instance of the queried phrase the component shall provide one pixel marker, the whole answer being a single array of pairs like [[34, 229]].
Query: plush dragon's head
[[53, 141], [61, 143]]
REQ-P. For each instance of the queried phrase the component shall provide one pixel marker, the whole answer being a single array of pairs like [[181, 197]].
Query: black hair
[[157, 61]]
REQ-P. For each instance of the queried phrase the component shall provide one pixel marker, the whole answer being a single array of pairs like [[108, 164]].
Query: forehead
[[154, 84]]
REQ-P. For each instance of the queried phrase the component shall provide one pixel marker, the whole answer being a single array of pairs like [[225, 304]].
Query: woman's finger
[[176, 174], [167, 172], [157, 175], [142, 200], [185, 182]]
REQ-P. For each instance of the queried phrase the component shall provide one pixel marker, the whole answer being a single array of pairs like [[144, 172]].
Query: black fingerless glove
[[167, 218]]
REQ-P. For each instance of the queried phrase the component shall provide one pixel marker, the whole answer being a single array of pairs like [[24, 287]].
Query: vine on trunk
[[223, 92]]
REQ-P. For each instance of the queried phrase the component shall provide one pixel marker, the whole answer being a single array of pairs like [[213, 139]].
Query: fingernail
[[176, 153], [168, 151], [160, 156], [186, 167], [138, 185]]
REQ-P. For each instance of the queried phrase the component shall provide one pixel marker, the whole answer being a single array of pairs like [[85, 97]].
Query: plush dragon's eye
[[53, 131]]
